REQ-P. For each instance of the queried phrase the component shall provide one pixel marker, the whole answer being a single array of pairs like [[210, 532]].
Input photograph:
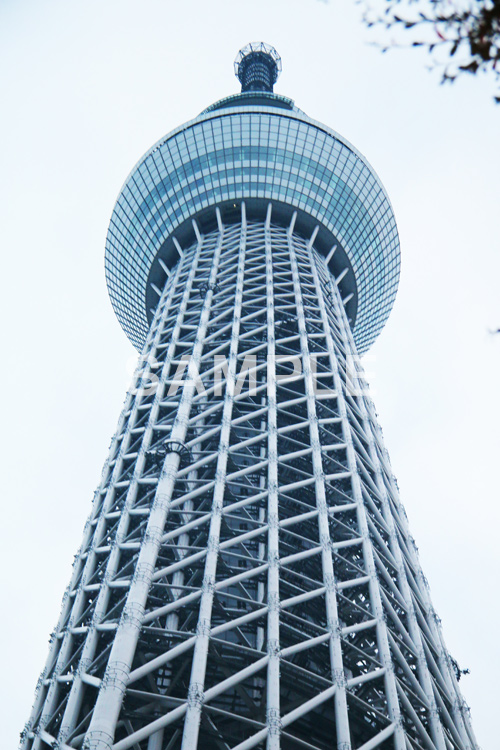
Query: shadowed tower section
[[247, 578]]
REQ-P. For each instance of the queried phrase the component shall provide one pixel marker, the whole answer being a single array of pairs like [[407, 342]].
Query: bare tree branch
[[465, 34]]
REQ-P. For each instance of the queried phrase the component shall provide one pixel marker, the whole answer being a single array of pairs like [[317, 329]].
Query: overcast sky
[[86, 88]]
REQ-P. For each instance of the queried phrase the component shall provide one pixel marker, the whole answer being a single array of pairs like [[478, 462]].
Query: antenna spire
[[257, 67]]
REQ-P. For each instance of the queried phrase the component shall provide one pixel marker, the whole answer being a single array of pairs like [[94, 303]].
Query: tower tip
[[257, 67]]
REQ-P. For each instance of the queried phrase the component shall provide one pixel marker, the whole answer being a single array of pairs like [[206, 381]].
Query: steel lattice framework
[[247, 577]]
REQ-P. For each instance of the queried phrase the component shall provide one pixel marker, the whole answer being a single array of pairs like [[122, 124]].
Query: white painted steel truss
[[247, 578]]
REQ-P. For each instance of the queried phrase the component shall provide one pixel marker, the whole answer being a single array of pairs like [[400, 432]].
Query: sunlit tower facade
[[247, 578]]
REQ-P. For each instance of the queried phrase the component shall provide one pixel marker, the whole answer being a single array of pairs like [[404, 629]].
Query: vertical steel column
[[198, 669], [375, 596], [335, 644], [414, 631], [273, 596], [155, 741]]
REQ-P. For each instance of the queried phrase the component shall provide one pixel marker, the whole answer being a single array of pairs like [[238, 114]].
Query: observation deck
[[256, 147]]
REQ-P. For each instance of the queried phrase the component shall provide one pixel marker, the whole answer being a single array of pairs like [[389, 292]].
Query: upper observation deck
[[256, 147]]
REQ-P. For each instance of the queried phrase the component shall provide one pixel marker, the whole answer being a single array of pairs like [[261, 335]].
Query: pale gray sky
[[86, 88]]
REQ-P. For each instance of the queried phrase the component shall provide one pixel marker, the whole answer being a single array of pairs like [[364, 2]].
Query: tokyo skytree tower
[[247, 578]]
